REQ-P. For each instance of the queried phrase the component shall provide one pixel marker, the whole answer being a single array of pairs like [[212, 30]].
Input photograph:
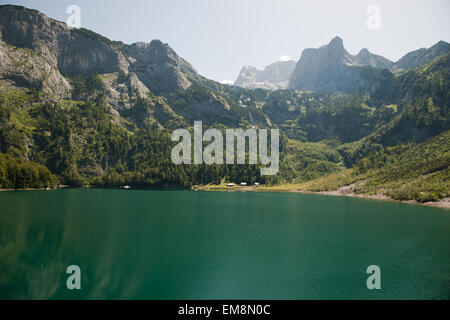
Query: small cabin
[[257, 183], [243, 184], [230, 185]]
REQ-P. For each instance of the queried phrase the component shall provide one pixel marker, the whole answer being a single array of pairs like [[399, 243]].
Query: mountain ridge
[[81, 51], [330, 68], [335, 59]]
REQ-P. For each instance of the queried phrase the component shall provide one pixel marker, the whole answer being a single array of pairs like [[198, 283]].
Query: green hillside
[[400, 149]]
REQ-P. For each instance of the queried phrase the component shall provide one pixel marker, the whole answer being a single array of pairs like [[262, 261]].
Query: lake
[[142, 244]]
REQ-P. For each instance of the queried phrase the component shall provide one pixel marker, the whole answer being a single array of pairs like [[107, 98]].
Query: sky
[[219, 37]]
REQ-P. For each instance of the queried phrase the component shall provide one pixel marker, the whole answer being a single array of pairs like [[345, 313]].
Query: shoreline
[[42, 189], [345, 191], [341, 192]]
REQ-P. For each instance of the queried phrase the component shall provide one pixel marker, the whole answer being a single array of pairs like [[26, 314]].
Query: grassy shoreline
[[302, 188], [345, 191]]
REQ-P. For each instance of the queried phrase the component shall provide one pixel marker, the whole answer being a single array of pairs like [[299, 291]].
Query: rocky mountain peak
[[364, 52], [366, 58], [159, 67], [274, 76], [441, 44], [331, 68], [337, 43]]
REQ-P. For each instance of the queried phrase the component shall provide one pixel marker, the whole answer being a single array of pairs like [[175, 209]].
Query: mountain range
[[79, 109], [333, 69], [61, 50]]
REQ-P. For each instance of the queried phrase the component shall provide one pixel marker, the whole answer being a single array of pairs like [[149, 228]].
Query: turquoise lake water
[[141, 244]]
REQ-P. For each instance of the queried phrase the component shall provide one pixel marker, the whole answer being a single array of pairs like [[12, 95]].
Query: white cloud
[[286, 58], [226, 82]]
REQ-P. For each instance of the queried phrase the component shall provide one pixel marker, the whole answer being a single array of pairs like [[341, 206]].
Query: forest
[[395, 139]]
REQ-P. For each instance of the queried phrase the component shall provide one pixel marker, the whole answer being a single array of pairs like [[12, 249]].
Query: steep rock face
[[274, 76], [331, 68], [23, 69], [29, 50], [31, 29], [86, 52], [66, 51], [121, 92], [247, 77], [74, 51], [421, 56], [159, 67]]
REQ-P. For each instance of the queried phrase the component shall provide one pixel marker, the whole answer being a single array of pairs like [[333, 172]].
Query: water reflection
[[188, 245]]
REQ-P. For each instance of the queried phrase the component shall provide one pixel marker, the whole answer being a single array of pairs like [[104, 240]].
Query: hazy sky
[[218, 37]]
